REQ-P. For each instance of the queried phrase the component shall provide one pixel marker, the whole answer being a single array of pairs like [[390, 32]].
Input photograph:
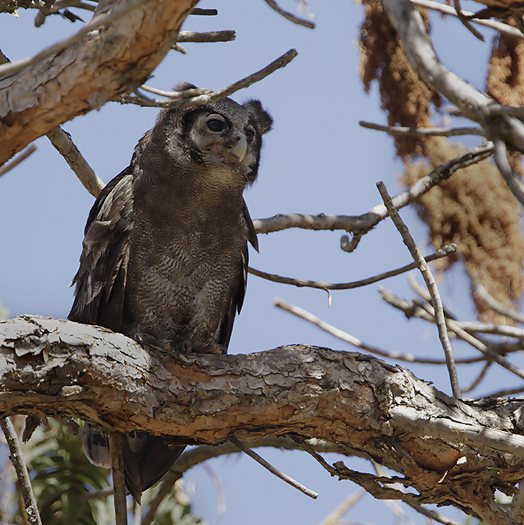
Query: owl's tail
[[146, 458]]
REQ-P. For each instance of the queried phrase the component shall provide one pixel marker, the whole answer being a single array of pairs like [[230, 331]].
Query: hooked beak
[[239, 150]]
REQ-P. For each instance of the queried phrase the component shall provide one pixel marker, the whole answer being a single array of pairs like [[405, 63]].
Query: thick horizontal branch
[[71, 78], [60, 368]]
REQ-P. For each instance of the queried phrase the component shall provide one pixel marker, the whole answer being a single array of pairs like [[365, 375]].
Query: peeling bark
[[87, 74], [451, 453]]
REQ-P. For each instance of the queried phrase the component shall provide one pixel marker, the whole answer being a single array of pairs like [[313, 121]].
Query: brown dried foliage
[[505, 82], [475, 210], [405, 97]]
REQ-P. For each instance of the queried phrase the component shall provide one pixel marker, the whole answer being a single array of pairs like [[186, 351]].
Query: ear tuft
[[263, 118]]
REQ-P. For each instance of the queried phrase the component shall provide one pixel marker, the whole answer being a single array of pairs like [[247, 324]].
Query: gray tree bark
[[447, 452]]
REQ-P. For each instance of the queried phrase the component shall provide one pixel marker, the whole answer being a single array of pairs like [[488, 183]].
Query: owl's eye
[[250, 134], [216, 123]]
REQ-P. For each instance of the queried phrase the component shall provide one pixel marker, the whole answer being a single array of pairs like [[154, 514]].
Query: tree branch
[[8, 166], [425, 311], [424, 61], [320, 285], [117, 471], [348, 338], [83, 73], [290, 16], [496, 305], [61, 368], [208, 98], [500, 156], [63, 143], [366, 221], [424, 132], [24, 481], [448, 10], [431, 285], [284, 477], [208, 36]]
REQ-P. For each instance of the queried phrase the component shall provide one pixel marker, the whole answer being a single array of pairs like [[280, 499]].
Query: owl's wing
[[101, 279], [237, 297]]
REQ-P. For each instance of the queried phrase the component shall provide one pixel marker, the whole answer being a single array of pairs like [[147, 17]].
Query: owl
[[165, 252]]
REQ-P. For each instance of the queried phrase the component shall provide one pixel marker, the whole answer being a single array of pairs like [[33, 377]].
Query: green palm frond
[[62, 477]]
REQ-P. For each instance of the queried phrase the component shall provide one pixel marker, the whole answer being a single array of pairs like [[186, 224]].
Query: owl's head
[[215, 136]]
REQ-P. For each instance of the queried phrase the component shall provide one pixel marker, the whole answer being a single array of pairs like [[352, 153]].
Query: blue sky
[[317, 159]]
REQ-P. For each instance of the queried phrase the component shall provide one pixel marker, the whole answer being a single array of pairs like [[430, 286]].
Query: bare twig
[[423, 292], [208, 36], [8, 166], [472, 327], [94, 23], [181, 49], [380, 471], [348, 338], [198, 455], [479, 378], [349, 246], [290, 16], [443, 252], [433, 515], [430, 283], [479, 345], [17, 459], [272, 469], [496, 305], [45, 11], [446, 9], [464, 20], [500, 156], [220, 495], [366, 221], [215, 95], [507, 392], [490, 328], [62, 141], [421, 311], [424, 132], [204, 12], [117, 470], [175, 95], [335, 516]]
